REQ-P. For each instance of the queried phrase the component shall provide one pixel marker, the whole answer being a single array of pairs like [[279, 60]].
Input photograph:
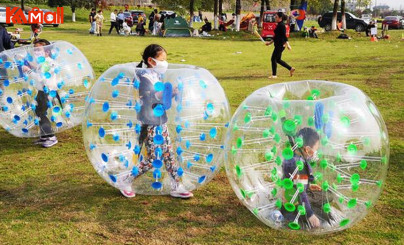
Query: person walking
[[120, 18], [280, 41], [114, 23], [99, 18], [91, 19]]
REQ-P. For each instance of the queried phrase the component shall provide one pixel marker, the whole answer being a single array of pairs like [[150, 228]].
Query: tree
[[268, 7], [73, 8], [238, 14], [293, 4], [334, 16], [191, 12], [343, 19], [220, 8], [22, 5], [215, 24]]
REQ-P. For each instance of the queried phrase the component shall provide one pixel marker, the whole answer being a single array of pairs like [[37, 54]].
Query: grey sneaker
[[178, 190], [40, 141], [49, 142]]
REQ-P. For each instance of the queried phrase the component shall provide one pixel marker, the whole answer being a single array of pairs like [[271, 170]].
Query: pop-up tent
[[176, 27]]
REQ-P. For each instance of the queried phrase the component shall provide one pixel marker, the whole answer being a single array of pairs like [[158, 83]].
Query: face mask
[[313, 158], [161, 66]]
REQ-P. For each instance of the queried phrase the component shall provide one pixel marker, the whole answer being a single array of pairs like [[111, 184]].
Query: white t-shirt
[[113, 17]]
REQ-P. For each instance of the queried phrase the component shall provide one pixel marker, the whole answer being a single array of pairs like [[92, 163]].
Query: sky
[[394, 4]]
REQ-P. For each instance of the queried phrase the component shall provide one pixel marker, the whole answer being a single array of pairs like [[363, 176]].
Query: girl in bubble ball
[[44, 85], [154, 60], [305, 176]]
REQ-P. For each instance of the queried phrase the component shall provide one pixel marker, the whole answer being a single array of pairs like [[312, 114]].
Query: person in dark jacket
[[302, 175], [5, 43], [280, 41]]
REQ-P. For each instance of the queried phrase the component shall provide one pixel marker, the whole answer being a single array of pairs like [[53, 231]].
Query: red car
[[269, 25], [393, 22]]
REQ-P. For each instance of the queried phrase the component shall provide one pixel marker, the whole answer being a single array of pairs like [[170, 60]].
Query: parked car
[[269, 25], [3, 17], [366, 17], [166, 12], [352, 22], [394, 22], [135, 15]]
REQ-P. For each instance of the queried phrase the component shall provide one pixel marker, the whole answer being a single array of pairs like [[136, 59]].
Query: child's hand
[[287, 45], [268, 43], [158, 95], [25, 68], [314, 221], [175, 91], [315, 187]]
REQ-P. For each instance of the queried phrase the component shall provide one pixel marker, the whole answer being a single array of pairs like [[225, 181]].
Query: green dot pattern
[[287, 153], [310, 121], [324, 163], [325, 186], [289, 207], [239, 172], [239, 142], [269, 156], [363, 164], [327, 207], [354, 178], [247, 117], [294, 226], [345, 121], [300, 165], [301, 210], [266, 133], [287, 184], [352, 149], [344, 222], [352, 203], [289, 127]]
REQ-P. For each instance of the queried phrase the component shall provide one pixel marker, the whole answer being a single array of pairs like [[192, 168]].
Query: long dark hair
[[150, 51]]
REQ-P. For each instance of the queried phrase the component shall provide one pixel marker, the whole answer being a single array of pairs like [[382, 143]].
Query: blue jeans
[[93, 26]]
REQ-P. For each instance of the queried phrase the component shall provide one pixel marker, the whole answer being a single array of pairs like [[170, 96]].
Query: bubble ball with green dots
[[194, 107], [336, 175]]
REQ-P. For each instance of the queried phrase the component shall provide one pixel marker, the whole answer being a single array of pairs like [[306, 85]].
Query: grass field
[[54, 195]]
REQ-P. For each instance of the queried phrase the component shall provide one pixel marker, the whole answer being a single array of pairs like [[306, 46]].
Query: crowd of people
[[126, 23]]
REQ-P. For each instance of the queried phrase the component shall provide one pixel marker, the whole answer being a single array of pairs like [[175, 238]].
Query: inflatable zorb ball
[[197, 113], [269, 170], [59, 73]]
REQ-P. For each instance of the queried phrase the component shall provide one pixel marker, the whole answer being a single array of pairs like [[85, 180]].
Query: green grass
[[54, 195]]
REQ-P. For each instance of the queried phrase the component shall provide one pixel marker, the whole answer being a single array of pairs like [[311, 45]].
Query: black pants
[[41, 111], [120, 24], [114, 25], [276, 58]]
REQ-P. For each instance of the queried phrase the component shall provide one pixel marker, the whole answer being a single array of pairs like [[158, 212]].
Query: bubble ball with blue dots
[[307, 148], [192, 104], [59, 70]]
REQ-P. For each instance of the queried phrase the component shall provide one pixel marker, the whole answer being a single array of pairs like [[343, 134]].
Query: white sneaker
[[178, 190], [49, 142], [124, 183]]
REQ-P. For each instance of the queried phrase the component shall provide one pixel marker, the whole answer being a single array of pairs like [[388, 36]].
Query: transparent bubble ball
[[60, 71], [192, 105], [284, 174]]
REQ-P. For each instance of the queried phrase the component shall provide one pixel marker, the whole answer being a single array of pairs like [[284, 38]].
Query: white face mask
[[161, 66]]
